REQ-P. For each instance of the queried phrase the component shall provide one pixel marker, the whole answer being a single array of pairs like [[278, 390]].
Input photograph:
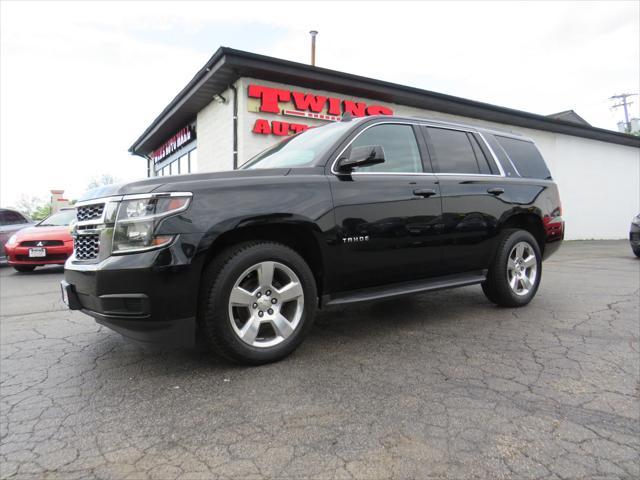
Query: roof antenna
[[313, 47], [346, 117]]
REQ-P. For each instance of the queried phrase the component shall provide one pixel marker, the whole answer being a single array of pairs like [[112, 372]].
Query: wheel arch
[[529, 222], [300, 237]]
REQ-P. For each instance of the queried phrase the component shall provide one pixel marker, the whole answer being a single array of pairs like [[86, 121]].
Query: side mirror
[[362, 157]]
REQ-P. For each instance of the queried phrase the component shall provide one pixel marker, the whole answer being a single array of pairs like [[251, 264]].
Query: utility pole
[[622, 97]]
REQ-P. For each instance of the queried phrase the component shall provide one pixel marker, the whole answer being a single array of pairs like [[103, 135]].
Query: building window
[[184, 163], [193, 161], [187, 163]]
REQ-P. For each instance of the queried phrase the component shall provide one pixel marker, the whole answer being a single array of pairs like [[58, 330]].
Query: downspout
[[235, 126]]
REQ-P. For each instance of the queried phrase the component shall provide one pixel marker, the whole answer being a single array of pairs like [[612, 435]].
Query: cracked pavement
[[442, 385]]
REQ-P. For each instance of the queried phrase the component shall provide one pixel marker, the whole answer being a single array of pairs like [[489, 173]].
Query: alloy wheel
[[266, 304], [522, 268]]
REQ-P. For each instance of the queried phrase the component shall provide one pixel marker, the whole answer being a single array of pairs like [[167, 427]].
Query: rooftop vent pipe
[[313, 47]]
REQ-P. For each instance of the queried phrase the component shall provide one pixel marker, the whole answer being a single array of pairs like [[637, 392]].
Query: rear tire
[[257, 302], [636, 251], [514, 275], [24, 268]]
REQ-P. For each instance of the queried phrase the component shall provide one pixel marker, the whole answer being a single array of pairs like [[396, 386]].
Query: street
[[442, 385]]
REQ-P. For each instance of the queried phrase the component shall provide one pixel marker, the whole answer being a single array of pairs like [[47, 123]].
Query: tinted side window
[[8, 217], [400, 147], [480, 157], [525, 157], [18, 218], [452, 151]]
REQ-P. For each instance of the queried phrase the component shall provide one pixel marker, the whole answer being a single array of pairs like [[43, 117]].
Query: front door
[[387, 215]]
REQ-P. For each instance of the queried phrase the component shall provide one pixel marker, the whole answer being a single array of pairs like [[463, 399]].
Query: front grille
[[86, 246], [90, 212], [42, 243]]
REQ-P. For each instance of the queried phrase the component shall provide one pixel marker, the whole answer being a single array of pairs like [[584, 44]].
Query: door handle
[[496, 191], [424, 192]]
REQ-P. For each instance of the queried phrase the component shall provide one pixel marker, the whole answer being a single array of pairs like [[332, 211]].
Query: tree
[[28, 204], [101, 180], [42, 212], [33, 207]]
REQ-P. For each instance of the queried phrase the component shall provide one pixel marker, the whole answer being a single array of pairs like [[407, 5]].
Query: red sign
[[305, 105], [263, 127], [184, 136]]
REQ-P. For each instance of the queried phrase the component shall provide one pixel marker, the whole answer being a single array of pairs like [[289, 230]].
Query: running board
[[405, 288]]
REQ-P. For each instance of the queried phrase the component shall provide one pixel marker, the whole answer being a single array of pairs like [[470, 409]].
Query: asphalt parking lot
[[443, 385]]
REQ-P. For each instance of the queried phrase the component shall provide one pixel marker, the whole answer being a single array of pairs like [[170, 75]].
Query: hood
[[44, 233], [173, 182]]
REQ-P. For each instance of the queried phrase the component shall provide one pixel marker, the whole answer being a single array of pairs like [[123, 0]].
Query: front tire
[[257, 302], [514, 275], [24, 268], [636, 251]]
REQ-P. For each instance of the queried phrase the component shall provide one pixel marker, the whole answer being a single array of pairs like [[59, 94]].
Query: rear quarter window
[[525, 157]]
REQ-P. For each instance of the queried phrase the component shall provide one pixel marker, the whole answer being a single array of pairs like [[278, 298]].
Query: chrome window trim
[[507, 155], [428, 174], [420, 123], [493, 154], [375, 124]]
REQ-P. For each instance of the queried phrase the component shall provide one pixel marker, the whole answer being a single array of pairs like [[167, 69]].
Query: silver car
[[10, 222]]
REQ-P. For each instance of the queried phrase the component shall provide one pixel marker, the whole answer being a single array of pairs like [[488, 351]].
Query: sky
[[80, 81]]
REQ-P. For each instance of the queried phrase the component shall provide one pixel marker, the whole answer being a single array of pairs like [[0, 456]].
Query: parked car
[[354, 211], [49, 242], [634, 235], [10, 222]]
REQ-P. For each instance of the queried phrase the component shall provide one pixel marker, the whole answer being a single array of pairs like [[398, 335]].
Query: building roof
[[227, 65], [569, 116]]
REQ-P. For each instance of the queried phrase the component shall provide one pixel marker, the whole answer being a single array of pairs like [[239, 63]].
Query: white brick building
[[240, 103]]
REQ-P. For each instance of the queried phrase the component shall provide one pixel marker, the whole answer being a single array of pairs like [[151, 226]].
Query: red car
[[46, 243]]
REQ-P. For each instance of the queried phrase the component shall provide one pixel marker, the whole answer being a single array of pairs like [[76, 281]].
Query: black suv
[[353, 211]]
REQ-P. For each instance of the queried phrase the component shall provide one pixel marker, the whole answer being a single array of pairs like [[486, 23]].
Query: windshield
[[301, 150], [60, 219]]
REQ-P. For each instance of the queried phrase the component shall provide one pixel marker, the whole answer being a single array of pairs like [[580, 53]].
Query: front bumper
[[56, 255], [149, 297]]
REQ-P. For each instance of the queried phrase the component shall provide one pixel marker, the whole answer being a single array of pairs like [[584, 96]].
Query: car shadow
[[47, 270], [342, 330]]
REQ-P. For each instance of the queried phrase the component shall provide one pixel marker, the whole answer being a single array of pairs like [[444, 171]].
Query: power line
[[622, 97]]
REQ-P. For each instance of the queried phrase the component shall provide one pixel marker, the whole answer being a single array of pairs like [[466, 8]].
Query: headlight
[[137, 219], [12, 240], [636, 220]]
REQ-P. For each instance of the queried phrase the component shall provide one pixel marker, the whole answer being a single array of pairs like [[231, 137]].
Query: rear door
[[387, 215], [474, 196]]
